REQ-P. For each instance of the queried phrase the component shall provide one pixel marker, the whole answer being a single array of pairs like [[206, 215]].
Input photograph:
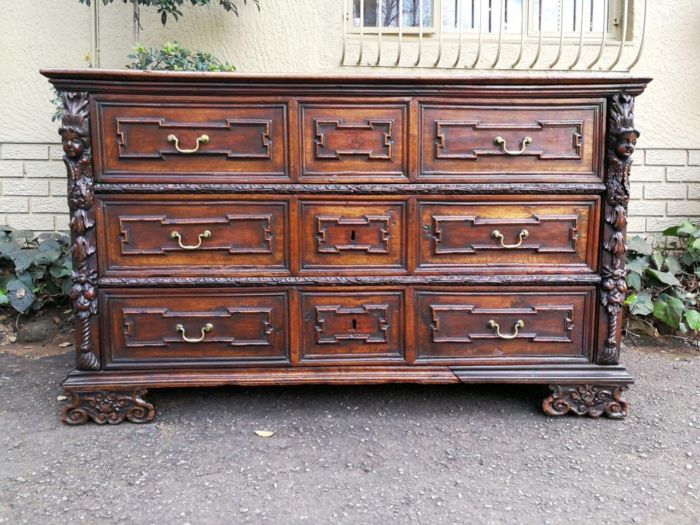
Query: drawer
[[504, 143], [353, 236], [181, 141], [347, 142], [352, 327], [527, 235], [172, 237], [186, 328], [504, 324]]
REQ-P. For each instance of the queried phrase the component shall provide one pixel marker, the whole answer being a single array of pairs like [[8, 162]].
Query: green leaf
[[669, 310], [658, 260], [663, 277], [20, 295], [634, 280], [23, 259], [692, 318], [640, 304], [4, 299], [638, 264], [673, 265], [684, 229], [638, 245]]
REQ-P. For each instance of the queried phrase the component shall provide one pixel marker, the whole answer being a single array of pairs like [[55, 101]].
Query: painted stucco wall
[[305, 36]]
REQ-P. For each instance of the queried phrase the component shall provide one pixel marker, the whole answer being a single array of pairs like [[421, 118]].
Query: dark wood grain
[[346, 229]]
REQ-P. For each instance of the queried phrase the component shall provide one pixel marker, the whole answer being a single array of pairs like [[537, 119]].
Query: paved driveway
[[389, 454]]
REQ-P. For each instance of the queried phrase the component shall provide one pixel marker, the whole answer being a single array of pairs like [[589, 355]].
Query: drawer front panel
[[356, 327], [350, 142], [196, 236], [205, 141], [503, 325], [498, 141], [353, 236], [503, 234], [173, 328]]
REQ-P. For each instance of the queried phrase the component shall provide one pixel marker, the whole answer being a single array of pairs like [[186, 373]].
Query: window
[[490, 17]]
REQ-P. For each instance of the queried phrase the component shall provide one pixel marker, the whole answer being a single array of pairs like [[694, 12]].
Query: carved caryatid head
[[75, 124], [622, 136]]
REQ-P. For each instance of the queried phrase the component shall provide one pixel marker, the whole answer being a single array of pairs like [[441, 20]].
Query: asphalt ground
[[375, 455]]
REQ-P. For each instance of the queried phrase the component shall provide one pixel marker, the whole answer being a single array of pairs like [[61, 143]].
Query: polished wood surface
[[258, 229]]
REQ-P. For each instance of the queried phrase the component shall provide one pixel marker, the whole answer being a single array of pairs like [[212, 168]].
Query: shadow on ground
[[393, 453]]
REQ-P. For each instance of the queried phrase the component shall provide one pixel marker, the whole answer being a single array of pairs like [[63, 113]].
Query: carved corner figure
[[107, 407], [621, 141], [75, 133], [586, 400]]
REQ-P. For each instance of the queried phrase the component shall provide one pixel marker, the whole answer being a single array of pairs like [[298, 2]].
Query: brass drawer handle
[[176, 235], [205, 330], [502, 142], [499, 237], [202, 139], [518, 325]]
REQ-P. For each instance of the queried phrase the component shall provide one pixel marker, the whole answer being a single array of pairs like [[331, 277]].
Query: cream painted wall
[[294, 36]]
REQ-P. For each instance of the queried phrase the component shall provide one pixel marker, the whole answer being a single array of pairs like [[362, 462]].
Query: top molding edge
[[96, 80]]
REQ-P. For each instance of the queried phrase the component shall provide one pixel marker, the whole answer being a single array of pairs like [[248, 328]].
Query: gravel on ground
[[384, 454]]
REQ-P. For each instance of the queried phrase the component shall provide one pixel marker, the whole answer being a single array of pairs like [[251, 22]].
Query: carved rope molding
[[620, 144], [75, 135]]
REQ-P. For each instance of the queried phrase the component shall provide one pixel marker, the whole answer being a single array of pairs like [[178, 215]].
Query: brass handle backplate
[[202, 139], [499, 237], [518, 325], [176, 235], [205, 330], [523, 146]]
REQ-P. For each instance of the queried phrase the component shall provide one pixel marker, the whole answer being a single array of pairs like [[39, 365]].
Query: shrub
[[35, 271], [173, 57], [663, 279]]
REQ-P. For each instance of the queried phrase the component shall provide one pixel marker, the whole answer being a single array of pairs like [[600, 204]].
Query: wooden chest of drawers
[[257, 230]]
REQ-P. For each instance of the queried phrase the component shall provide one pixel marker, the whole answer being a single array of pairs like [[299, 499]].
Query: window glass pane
[[510, 11], [389, 13]]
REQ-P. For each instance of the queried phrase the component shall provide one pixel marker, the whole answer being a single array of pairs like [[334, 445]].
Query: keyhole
[[352, 237], [354, 324]]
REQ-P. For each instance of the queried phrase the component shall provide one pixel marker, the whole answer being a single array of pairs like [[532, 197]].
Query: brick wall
[[665, 188]]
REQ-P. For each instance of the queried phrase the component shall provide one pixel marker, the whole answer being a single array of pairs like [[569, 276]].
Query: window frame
[[613, 26]]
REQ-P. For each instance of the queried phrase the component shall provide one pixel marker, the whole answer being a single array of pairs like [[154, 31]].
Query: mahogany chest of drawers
[[258, 230]]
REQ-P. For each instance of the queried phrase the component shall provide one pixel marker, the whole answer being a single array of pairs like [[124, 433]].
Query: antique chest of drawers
[[259, 230]]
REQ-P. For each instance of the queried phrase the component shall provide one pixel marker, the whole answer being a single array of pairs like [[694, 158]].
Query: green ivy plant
[[35, 270], [172, 7], [173, 57], [664, 280]]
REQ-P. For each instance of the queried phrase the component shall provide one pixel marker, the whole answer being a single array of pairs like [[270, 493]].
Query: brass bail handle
[[499, 237], [518, 325], [523, 146], [176, 235], [202, 139], [205, 330]]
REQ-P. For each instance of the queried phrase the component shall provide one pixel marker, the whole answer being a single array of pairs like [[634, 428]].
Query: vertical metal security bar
[[623, 35], [400, 22], [478, 45], [380, 5], [95, 35], [580, 37], [460, 21], [362, 31], [539, 38], [440, 33], [345, 15], [561, 35], [523, 32], [420, 32], [641, 43], [501, 17], [606, 11]]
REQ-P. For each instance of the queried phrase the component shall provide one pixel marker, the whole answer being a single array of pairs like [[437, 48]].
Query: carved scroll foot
[[107, 407], [586, 400]]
